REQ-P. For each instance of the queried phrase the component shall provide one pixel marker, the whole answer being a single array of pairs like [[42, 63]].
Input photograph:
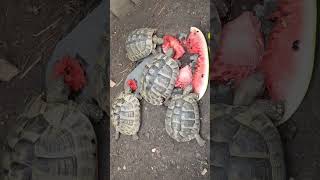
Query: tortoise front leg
[[199, 139]]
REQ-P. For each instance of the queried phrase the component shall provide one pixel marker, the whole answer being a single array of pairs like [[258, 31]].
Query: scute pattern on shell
[[182, 120], [125, 114], [59, 143], [139, 43], [244, 145], [158, 79]]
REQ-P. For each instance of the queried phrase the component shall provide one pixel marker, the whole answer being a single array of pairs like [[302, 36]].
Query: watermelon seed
[[295, 45], [202, 75]]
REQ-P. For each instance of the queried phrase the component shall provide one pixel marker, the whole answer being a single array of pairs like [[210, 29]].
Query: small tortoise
[[159, 77], [141, 43], [182, 120], [52, 140], [125, 114], [245, 144]]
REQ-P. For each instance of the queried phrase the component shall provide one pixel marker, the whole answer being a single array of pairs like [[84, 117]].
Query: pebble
[[198, 155], [112, 83], [124, 168], [119, 168], [154, 150], [204, 171], [147, 135]]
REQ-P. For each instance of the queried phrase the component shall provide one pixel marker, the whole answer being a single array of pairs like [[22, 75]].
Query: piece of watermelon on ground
[[197, 44], [289, 57]]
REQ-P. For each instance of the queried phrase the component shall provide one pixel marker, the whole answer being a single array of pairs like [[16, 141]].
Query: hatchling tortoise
[[182, 120], [245, 144], [159, 77], [141, 43], [52, 140], [125, 114]]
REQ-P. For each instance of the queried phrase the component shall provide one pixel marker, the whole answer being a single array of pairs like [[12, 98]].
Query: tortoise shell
[[51, 141], [158, 80], [139, 43], [244, 145], [125, 114], [182, 120]]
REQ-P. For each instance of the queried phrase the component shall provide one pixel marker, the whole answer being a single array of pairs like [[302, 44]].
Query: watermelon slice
[[196, 44], [289, 57]]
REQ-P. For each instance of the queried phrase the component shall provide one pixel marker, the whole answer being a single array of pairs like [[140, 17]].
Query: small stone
[[7, 70], [112, 83], [147, 135], [178, 167], [119, 168], [198, 155], [154, 150], [204, 171], [151, 167], [124, 167]]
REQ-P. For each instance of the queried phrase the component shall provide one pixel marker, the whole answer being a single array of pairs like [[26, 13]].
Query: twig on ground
[[52, 25], [30, 67], [119, 82]]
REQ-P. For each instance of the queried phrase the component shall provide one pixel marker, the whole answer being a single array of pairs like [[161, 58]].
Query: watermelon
[[241, 49], [185, 77], [172, 42], [289, 55], [196, 44]]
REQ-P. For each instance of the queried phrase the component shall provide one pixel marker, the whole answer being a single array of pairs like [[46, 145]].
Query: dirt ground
[[155, 155]]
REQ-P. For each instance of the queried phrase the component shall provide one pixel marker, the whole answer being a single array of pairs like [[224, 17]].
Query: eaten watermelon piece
[[185, 77], [241, 49], [196, 44], [172, 42], [72, 72]]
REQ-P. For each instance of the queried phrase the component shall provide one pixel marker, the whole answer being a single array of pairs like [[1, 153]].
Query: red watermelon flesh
[[172, 42], [277, 62], [196, 44], [185, 77], [241, 49], [72, 71]]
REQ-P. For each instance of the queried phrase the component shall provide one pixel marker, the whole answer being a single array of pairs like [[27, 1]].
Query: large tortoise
[[141, 43], [182, 120], [53, 140], [125, 114], [245, 144], [159, 77]]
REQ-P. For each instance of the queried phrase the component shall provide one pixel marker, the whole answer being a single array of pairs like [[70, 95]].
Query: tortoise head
[[249, 89]]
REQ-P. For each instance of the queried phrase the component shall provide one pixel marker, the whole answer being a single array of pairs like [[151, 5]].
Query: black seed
[[202, 75], [295, 45]]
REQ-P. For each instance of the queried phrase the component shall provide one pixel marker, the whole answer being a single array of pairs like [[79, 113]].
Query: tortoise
[[141, 43], [245, 143], [182, 120], [125, 114], [159, 77], [52, 140]]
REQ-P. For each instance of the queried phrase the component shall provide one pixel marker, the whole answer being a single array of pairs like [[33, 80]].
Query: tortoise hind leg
[[200, 141], [135, 137], [274, 110]]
